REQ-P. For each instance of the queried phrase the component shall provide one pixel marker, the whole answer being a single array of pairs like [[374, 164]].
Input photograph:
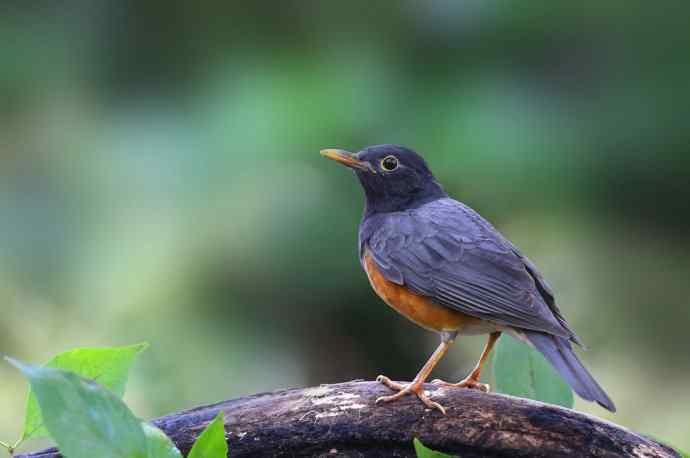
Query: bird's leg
[[417, 385], [472, 380]]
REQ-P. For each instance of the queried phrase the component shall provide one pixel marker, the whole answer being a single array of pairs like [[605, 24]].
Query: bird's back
[[446, 251]]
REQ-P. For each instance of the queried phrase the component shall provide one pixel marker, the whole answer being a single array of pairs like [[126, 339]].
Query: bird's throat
[[389, 199]]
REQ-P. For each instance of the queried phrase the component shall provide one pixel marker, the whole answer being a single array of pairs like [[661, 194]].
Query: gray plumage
[[446, 251], [439, 248], [560, 354]]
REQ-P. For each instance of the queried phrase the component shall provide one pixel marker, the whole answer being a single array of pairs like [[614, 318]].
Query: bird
[[443, 266]]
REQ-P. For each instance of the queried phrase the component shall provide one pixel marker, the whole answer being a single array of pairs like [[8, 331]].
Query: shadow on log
[[342, 421]]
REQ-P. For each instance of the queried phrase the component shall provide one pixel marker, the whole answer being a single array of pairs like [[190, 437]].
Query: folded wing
[[446, 251]]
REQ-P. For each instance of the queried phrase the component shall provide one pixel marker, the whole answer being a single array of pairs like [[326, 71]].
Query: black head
[[394, 178]]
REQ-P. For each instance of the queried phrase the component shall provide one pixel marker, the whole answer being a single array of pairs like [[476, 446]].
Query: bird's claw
[[390, 383], [469, 383], [415, 387]]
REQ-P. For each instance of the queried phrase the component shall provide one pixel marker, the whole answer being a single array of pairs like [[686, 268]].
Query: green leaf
[[85, 419], [211, 443], [158, 444], [522, 371], [108, 366], [425, 452]]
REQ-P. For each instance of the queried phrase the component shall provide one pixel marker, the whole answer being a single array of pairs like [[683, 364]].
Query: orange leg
[[472, 380], [417, 385]]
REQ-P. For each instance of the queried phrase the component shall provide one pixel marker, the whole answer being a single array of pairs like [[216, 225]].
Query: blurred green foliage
[[160, 181], [521, 371]]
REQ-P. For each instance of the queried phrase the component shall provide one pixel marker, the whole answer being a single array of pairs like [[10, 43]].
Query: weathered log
[[342, 421]]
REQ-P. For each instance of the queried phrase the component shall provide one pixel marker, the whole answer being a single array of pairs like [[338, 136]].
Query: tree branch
[[342, 421]]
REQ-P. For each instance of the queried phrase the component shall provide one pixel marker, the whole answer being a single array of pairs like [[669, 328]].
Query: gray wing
[[446, 251]]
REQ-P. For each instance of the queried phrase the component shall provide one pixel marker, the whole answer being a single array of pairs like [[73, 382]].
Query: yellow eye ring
[[389, 163]]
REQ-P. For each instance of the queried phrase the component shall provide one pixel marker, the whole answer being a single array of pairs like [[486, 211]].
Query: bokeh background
[[160, 181]]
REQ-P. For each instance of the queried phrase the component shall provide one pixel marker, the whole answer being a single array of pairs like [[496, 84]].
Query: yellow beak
[[346, 158]]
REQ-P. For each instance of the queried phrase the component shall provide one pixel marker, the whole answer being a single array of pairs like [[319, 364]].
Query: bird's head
[[394, 178]]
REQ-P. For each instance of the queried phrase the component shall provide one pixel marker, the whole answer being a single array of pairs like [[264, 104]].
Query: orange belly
[[420, 309]]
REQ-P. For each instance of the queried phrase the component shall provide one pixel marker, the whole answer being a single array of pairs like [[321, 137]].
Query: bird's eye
[[389, 163]]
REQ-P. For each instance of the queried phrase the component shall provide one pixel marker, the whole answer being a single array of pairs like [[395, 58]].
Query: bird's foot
[[416, 387], [470, 383]]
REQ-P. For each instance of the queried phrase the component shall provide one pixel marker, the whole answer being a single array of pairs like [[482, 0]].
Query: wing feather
[[446, 251]]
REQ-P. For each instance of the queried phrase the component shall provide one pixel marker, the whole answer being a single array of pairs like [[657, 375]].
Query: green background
[[160, 181]]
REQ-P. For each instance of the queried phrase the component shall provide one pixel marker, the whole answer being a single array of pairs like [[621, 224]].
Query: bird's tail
[[560, 354]]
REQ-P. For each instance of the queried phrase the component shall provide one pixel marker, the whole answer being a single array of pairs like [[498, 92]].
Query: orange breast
[[416, 308]]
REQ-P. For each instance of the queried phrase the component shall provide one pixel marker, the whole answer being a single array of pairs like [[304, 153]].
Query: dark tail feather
[[559, 353]]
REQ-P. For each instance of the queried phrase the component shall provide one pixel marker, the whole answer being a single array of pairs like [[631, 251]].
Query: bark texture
[[342, 421]]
